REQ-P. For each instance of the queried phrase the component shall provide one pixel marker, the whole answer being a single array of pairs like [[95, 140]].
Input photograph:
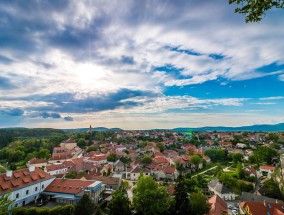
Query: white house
[[56, 169], [25, 185], [136, 172], [266, 171], [221, 190]]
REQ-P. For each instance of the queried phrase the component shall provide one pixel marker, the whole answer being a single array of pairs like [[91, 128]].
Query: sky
[[138, 64]]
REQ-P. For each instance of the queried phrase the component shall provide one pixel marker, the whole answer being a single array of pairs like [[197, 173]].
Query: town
[[223, 172]]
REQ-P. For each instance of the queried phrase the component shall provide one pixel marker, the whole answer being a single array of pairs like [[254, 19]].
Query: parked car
[[231, 207], [41, 202]]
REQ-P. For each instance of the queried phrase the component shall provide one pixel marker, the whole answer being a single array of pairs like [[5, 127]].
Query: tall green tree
[[119, 204], [149, 198], [182, 204], [195, 160], [254, 10], [265, 154], [85, 206], [199, 203]]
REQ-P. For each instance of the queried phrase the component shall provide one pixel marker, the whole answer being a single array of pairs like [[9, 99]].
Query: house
[[60, 157], [60, 149], [169, 173], [25, 185], [241, 145], [70, 191], [98, 159], [221, 190], [249, 170], [217, 206], [226, 144], [37, 162], [136, 172], [119, 166], [111, 183], [245, 196], [56, 169], [69, 144], [261, 208], [266, 170]]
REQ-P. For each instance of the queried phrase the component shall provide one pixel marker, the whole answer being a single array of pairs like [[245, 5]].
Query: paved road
[[204, 171]]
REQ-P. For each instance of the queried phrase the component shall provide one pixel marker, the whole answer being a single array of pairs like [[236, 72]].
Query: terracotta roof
[[263, 208], [160, 160], [267, 168], [218, 205], [22, 178], [36, 161], [107, 180], [169, 170], [90, 175], [61, 156], [68, 186]]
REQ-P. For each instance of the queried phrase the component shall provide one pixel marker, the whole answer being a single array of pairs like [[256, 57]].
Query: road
[[205, 171]]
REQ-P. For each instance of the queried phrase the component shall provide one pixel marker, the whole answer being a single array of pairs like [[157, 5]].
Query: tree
[[216, 154], [4, 203], [81, 143], [150, 198], [237, 157], [119, 204], [196, 160], [147, 160], [240, 171], [111, 157], [43, 153], [265, 154], [199, 203], [161, 147], [271, 189], [182, 204], [254, 10], [85, 206]]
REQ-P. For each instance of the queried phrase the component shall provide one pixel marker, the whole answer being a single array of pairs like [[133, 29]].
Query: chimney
[[31, 168], [264, 203], [9, 173]]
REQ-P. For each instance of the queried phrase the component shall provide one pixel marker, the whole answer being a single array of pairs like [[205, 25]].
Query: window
[[27, 192], [17, 195], [42, 186], [35, 188]]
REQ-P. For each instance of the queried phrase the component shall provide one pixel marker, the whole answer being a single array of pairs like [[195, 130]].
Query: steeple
[[90, 130]]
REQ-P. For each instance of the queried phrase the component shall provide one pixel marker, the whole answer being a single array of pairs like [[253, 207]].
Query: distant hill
[[252, 128], [93, 129]]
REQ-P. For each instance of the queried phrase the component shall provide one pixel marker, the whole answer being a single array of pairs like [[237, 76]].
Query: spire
[[90, 130]]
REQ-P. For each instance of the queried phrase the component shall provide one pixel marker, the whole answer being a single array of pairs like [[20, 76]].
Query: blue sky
[[138, 64]]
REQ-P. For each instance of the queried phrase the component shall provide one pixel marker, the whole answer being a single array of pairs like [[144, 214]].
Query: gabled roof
[[218, 205], [68, 186], [263, 208], [22, 178]]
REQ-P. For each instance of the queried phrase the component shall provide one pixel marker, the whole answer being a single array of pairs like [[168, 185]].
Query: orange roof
[[160, 160], [36, 161], [68, 186], [22, 178], [218, 205], [267, 167], [262, 208]]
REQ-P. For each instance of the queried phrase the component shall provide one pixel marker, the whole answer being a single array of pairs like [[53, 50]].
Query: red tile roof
[[68, 186], [262, 208], [218, 205], [36, 161], [267, 167], [22, 178]]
